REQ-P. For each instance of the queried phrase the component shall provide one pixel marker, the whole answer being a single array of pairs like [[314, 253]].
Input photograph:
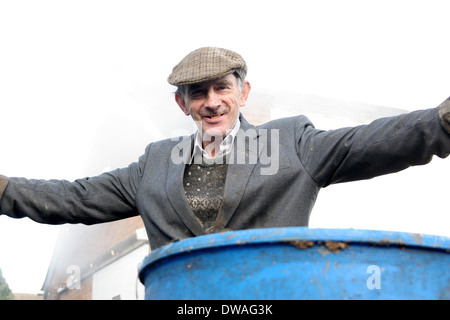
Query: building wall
[[83, 250], [84, 293], [119, 279]]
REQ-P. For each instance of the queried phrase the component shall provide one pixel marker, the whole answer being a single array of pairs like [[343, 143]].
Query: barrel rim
[[292, 234]]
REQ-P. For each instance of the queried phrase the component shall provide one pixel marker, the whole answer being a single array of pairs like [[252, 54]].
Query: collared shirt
[[224, 149]]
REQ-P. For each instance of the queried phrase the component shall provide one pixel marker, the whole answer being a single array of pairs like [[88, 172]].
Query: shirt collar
[[225, 146]]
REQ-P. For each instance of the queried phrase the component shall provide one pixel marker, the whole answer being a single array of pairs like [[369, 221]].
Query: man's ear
[[245, 92], [182, 103]]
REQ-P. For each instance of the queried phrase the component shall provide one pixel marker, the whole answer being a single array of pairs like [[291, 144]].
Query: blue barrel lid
[[289, 234]]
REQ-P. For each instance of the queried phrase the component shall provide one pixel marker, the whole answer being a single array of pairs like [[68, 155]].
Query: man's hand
[[444, 114]]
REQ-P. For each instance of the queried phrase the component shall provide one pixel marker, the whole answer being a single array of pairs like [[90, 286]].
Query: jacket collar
[[239, 170], [226, 145]]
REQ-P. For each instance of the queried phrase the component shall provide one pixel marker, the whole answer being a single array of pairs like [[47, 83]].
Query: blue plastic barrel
[[300, 263]]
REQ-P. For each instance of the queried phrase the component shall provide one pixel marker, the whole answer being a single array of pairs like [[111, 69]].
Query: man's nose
[[212, 100]]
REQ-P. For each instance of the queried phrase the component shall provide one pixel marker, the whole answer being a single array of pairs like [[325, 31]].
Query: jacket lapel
[[245, 158], [175, 188]]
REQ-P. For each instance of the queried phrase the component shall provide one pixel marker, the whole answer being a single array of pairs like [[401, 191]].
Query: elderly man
[[222, 177]]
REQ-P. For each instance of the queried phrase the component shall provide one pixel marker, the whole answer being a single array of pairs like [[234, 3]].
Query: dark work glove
[[444, 114]]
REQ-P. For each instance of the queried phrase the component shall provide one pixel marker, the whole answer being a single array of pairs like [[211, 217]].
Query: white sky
[[83, 87]]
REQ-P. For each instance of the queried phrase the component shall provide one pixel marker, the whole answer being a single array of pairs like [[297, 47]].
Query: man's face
[[214, 105]]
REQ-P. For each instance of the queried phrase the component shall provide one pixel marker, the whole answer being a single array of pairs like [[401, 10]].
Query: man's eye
[[196, 93]]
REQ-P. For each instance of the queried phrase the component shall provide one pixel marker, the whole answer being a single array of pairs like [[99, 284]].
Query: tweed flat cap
[[206, 64]]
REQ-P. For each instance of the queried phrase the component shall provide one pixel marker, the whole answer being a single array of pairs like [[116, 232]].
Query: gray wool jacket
[[275, 173]]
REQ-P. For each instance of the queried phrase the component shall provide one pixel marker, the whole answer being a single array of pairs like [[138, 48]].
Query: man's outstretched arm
[[107, 197]]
